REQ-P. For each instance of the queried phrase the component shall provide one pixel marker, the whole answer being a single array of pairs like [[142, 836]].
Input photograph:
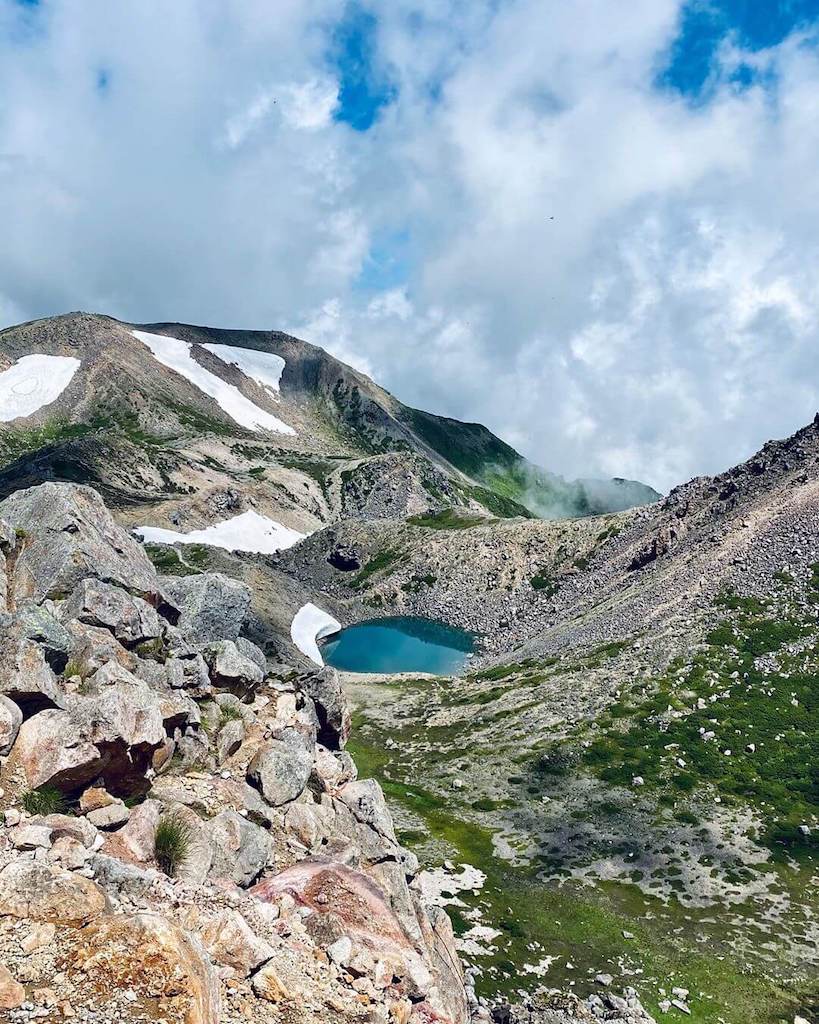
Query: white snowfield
[[311, 623], [265, 368], [32, 382], [246, 532], [176, 355]]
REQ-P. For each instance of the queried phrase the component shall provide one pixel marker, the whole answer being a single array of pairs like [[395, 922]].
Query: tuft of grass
[[172, 844], [229, 714], [44, 800], [449, 519]]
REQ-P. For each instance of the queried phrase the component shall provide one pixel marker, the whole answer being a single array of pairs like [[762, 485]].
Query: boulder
[[134, 842], [147, 954], [249, 650], [32, 890], [39, 623], [212, 607], [230, 941], [241, 849], [69, 535], [325, 690], [111, 734], [12, 993], [11, 718], [97, 603], [231, 670], [229, 739], [281, 767], [25, 675], [268, 985]]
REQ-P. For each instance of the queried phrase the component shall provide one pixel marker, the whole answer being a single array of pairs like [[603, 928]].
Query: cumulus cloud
[[616, 280]]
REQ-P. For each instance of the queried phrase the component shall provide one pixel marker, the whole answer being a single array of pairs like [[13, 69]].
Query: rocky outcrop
[[153, 759]]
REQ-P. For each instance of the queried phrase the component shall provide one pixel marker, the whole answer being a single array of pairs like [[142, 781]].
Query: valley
[[615, 795]]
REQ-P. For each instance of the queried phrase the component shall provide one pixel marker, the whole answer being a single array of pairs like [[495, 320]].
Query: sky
[[593, 227]]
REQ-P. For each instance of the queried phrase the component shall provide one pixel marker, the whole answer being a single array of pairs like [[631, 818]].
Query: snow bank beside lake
[[311, 623], [33, 382], [246, 532], [176, 355], [263, 367]]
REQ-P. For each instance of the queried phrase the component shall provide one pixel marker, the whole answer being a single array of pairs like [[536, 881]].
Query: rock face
[[68, 535], [199, 780], [212, 606]]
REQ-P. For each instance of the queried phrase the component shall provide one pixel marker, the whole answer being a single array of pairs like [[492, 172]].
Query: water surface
[[399, 644]]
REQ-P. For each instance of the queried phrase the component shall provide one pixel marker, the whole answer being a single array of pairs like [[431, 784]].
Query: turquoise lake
[[399, 645]]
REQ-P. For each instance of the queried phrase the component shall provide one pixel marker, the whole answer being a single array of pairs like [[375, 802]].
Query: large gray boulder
[[231, 670], [110, 735], [67, 534], [97, 603], [25, 675], [212, 607], [38, 622], [332, 709], [281, 767], [241, 850]]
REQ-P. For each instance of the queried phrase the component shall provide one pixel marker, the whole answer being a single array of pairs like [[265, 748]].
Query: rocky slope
[[132, 705]]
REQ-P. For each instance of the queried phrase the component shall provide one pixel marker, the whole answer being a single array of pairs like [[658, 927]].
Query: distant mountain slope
[[136, 415]]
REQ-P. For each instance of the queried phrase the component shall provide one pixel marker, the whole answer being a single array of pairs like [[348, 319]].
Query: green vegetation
[[448, 519], [749, 732], [545, 583], [172, 844], [44, 800], [171, 561], [378, 563], [570, 921], [418, 583]]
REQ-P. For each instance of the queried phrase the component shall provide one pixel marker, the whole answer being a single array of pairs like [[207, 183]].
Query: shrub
[[44, 800], [172, 844]]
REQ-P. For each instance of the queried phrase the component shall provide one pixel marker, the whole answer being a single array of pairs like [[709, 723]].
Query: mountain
[[617, 796], [151, 425]]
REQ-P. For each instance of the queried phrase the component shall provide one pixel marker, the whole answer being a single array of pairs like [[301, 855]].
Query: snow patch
[[176, 355], [265, 368], [310, 624], [246, 532], [32, 382]]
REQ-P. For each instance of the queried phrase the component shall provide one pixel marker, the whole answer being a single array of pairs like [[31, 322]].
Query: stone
[[111, 734], [134, 842], [232, 670], [40, 624], [212, 606], [341, 950], [267, 984], [11, 718], [249, 650], [230, 941], [69, 535], [365, 799], [25, 676], [325, 690], [229, 739], [95, 797], [12, 993], [113, 814], [33, 890], [38, 936], [148, 952], [31, 837], [97, 603], [241, 849], [282, 766]]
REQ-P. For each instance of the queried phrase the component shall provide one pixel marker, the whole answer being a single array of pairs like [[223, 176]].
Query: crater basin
[[399, 644]]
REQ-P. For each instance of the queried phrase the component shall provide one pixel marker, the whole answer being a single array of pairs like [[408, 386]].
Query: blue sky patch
[[388, 263], [364, 88], [704, 24]]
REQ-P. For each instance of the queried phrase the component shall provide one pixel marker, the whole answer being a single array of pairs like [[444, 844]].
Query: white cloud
[[614, 280]]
